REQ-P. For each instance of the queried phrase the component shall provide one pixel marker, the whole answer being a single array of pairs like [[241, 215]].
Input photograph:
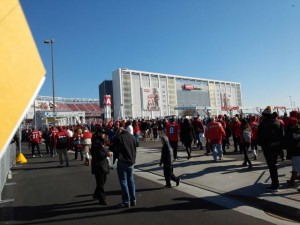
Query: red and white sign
[[107, 100], [190, 87]]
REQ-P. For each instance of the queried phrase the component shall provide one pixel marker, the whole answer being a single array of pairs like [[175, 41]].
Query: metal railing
[[7, 160]]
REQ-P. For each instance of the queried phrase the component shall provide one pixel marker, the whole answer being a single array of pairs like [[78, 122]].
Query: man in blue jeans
[[124, 148]]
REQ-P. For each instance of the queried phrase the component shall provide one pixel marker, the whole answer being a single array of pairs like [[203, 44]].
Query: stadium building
[[141, 94]]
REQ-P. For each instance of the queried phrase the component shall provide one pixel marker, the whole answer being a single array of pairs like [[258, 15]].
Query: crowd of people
[[119, 139]]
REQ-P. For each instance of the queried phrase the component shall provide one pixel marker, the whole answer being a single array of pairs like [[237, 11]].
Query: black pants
[[33, 145], [99, 191], [244, 147], [271, 156], [174, 145], [169, 175], [47, 147], [235, 142], [78, 149]]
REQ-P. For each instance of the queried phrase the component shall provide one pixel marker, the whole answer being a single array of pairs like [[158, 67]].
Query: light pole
[[51, 42], [291, 101]]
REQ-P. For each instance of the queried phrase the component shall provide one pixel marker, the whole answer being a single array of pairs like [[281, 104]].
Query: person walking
[[270, 138], [215, 134], [99, 164], [124, 149], [254, 127], [199, 131], [77, 143], [245, 141], [292, 141], [172, 130], [47, 138], [188, 135], [86, 142], [166, 161], [53, 133], [235, 132], [62, 141], [35, 138]]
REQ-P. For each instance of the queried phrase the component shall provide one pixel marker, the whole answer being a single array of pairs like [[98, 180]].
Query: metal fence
[[7, 160]]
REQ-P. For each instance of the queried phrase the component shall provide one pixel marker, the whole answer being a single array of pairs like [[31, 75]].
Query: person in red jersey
[[172, 130], [35, 138], [77, 142], [223, 123], [215, 134], [86, 142], [62, 141], [235, 129], [276, 116], [199, 131], [254, 127], [54, 131]]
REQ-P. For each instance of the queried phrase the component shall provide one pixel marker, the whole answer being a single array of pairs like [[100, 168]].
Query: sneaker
[[33, 156], [291, 183], [132, 204], [124, 205], [41, 156], [250, 166], [168, 186], [273, 189], [178, 181]]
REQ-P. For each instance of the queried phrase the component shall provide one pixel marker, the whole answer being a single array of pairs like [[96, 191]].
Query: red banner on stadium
[[107, 100]]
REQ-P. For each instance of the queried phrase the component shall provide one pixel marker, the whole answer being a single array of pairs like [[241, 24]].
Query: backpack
[[247, 136], [62, 142]]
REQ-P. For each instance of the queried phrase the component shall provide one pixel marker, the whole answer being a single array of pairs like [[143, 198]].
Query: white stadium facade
[[141, 94]]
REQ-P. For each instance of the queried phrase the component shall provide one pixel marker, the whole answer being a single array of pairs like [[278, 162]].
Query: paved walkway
[[229, 177]]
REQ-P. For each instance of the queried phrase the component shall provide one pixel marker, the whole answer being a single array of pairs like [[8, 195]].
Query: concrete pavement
[[63, 195], [228, 177]]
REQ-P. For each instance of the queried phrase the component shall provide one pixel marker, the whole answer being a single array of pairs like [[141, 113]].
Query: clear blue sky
[[254, 42]]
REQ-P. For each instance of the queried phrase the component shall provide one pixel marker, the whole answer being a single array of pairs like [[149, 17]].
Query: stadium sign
[[190, 87]]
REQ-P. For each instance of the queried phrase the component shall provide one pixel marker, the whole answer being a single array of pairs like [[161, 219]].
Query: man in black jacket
[[270, 138], [100, 166], [124, 148]]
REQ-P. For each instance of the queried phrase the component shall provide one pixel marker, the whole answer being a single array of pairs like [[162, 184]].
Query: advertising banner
[[151, 99]]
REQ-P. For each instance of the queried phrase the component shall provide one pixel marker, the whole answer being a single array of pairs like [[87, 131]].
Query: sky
[[253, 42]]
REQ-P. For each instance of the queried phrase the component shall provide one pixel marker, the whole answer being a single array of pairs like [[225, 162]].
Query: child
[[166, 160]]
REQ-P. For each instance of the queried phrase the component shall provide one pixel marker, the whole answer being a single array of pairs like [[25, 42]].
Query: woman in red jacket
[[136, 131], [235, 129]]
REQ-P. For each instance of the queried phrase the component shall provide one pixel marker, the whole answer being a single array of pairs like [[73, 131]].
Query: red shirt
[[35, 136], [235, 128], [215, 132], [254, 127], [172, 130]]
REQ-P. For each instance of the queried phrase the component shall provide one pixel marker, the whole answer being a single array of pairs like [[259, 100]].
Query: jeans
[[126, 179], [217, 150], [271, 159], [199, 139], [65, 153]]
